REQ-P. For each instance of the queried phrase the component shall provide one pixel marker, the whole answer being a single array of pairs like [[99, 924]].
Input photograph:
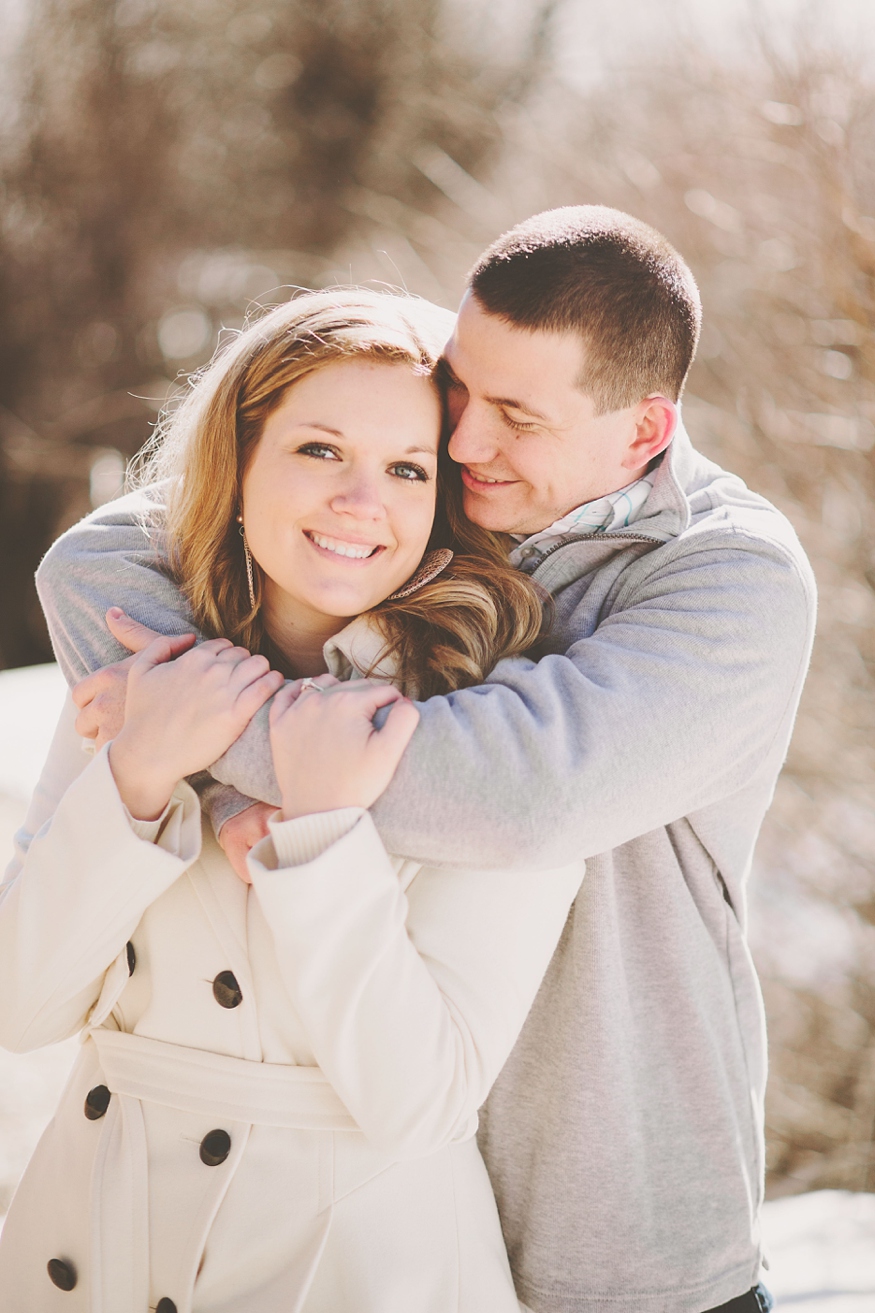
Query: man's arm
[[117, 556], [679, 700], [673, 702], [114, 557]]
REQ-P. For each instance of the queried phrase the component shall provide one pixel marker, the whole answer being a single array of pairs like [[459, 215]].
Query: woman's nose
[[360, 498]]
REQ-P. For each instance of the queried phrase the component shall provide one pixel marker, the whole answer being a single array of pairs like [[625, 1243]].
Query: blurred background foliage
[[167, 168]]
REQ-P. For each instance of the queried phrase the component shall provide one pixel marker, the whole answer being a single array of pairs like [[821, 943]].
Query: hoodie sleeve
[[685, 694]]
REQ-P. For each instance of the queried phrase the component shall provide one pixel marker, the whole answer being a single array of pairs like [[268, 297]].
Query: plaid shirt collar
[[617, 510]]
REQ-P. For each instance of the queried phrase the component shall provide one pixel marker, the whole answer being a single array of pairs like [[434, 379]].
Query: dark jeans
[[757, 1300]]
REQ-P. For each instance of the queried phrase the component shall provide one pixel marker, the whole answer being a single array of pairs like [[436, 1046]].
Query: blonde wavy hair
[[447, 634]]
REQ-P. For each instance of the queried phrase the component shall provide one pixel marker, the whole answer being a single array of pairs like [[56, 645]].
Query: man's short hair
[[612, 279]]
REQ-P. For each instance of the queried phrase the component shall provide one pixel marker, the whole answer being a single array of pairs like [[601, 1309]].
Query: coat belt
[[230, 1089]]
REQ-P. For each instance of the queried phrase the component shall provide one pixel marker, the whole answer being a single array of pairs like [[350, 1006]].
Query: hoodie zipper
[[592, 537]]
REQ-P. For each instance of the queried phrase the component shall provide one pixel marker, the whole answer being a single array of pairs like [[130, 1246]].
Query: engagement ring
[[309, 682]]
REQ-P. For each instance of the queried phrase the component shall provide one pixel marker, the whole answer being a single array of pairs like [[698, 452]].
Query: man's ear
[[656, 419]]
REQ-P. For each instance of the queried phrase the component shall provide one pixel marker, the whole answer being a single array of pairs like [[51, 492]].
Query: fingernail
[[115, 612]]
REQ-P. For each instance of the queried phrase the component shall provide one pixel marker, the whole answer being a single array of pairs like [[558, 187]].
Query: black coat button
[[132, 957], [215, 1147], [226, 991], [165, 1305], [62, 1274], [96, 1102]]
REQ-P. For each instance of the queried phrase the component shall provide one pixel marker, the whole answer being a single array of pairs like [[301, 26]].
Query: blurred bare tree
[[170, 163], [167, 164]]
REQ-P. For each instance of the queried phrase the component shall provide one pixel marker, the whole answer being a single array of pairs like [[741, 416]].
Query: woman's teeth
[[358, 553]]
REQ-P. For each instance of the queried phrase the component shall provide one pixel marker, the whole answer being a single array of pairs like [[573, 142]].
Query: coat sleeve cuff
[[297, 842], [177, 831], [148, 831]]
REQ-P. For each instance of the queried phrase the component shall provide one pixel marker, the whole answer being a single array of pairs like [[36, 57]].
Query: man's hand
[[242, 832], [101, 697]]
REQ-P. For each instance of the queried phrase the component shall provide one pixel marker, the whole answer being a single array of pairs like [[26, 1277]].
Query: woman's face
[[339, 496]]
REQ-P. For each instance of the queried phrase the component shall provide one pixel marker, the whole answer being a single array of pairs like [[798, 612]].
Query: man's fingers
[[130, 633], [87, 724], [88, 688], [242, 832]]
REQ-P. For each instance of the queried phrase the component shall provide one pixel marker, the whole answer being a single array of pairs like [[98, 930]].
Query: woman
[[276, 1097]]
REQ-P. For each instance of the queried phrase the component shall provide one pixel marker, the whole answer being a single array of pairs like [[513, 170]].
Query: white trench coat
[[274, 1106]]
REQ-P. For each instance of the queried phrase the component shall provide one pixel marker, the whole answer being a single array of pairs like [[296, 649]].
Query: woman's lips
[[341, 549], [477, 484]]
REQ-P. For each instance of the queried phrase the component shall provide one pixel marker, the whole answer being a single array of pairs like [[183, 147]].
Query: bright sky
[[596, 33]]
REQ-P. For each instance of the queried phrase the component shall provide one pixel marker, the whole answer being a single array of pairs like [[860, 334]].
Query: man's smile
[[477, 482]]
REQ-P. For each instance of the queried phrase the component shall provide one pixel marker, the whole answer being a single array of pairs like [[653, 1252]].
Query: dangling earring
[[429, 568], [247, 555]]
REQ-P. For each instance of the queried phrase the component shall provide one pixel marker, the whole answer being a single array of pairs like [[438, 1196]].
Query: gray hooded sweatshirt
[[624, 1137]]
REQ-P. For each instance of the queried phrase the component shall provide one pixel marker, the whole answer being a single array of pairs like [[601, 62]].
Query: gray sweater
[[624, 1137]]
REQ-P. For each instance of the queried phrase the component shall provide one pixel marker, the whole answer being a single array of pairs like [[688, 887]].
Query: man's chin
[[479, 510]]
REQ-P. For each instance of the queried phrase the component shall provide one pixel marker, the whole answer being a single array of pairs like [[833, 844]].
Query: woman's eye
[[404, 470], [321, 450]]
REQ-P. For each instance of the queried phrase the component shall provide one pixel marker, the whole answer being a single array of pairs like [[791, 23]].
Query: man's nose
[[472, 442]]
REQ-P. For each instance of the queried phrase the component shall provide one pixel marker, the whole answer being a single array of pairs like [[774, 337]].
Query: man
[[624, 1137]]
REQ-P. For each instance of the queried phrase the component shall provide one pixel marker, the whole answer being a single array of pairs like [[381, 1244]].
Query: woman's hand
[[182, 714], [327, 752]]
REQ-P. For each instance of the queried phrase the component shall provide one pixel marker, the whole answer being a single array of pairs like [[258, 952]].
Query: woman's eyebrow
[[323, 428], [336, 433]]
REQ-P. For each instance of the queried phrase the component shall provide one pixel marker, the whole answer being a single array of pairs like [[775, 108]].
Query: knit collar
[[354, 651]]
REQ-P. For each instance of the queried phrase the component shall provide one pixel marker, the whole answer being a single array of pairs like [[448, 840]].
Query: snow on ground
[[820, 1247], [821, 1252]]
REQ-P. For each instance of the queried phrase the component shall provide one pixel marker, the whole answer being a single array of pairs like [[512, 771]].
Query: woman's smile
[[344, 549]]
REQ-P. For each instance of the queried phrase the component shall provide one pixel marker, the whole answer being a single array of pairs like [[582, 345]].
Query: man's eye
[[321, 450], [516, 425], [404, 470]]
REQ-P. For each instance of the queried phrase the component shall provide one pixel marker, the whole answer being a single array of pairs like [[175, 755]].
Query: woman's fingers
[[215, 648], [244, 672], [284, 699], [257, 692], [161, 650], [365, 698], [296, 687], [396, 733]]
